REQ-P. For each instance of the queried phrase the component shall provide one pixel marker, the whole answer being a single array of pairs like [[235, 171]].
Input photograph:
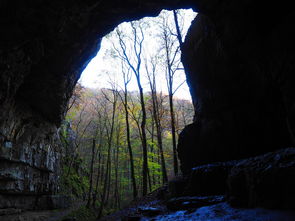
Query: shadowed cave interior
[[239, 58]]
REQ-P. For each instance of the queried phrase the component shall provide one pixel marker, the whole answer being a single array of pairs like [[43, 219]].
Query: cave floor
[[42, 215], [151, 208]]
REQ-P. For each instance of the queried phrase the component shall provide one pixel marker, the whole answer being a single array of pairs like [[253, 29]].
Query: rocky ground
[[254, 189], [213, 208]]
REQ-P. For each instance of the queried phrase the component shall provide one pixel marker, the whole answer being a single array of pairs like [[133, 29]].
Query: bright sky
[[94, 75]]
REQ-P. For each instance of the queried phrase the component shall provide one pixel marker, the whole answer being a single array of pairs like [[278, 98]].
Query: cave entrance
[[129, 106]]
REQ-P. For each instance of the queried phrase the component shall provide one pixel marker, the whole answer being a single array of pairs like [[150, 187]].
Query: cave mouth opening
[[134, 75], [106, 65]]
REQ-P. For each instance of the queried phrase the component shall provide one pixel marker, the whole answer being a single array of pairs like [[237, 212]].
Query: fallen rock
[[264, 181], [184, 203]]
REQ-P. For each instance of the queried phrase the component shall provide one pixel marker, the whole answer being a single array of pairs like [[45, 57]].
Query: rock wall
[[240, 67], [29, 161]]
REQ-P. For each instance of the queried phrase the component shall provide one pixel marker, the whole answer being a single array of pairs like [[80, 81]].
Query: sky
[[95, 74]]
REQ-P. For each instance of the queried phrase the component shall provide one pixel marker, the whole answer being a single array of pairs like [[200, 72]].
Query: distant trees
[[114, 164]]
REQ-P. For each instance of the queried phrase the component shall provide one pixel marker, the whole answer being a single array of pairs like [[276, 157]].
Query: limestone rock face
[[239, 69], [29, 163]]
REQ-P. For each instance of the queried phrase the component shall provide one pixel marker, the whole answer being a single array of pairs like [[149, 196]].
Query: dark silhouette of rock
[[232, 66], [210, 179], [264, 181], [177, 186]]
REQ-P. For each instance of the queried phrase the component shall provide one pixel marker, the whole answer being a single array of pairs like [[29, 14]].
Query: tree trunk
[[108, 169], [159, 137], [129, 143], [91, 175], [97, 181], [144, 143], [175, 161]]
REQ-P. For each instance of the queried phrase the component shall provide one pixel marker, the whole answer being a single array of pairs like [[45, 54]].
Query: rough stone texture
[[29, 166], [264, 181], [240, 67], [210, 179]]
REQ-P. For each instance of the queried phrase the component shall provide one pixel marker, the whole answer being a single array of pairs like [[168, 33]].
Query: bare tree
[[171, 48], [135, 66], [151, 74], [126, 79], [91, 173], [109, 132]]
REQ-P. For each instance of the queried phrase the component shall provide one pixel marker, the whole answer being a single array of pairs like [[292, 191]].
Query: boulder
[[264, 181], [209, 179]]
